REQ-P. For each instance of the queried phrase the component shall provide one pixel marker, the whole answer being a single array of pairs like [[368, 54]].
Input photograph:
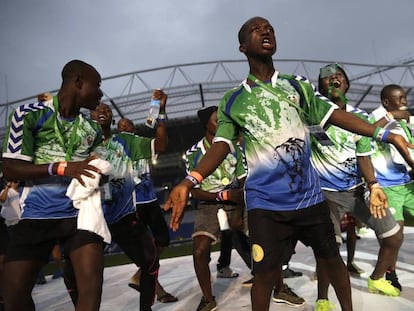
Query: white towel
[[88, 201]]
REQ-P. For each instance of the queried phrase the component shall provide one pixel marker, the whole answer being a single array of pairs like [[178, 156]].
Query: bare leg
[[19, 280], [388, 253], [338, 275], [201, 259], [87, 264], [262, 288]]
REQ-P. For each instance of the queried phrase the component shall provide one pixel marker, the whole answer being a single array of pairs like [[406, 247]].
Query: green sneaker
[[324, 305], [382, 286]]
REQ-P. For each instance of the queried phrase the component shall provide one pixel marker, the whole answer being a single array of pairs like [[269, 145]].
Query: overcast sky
[[37, 37]]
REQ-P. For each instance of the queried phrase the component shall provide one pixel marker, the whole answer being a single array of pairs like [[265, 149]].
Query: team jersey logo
[[257, 253]]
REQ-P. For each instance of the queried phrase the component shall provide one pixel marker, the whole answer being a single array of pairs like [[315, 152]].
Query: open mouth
[[336, 83], [102, 117], [266, 43]]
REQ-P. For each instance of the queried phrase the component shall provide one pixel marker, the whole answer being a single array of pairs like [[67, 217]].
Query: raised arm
[[161, 138]]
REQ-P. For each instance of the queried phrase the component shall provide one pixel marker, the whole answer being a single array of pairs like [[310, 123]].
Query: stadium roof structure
[[192, 86]]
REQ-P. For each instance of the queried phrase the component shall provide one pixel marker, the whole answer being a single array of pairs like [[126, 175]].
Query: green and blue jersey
[[38, 134], [336, 163], [277, 141]]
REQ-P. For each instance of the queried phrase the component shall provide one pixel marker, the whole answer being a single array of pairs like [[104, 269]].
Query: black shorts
[[33, 239], [151, 215], [273, 234], [4, 237]]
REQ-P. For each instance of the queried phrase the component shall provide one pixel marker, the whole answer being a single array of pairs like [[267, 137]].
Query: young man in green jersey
[[392, 171], [148, 209], [343, 163], [282, 190], [46, 146]]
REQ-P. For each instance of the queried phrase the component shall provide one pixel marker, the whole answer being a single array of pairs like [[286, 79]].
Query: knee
[[394, 241], [201, 255]]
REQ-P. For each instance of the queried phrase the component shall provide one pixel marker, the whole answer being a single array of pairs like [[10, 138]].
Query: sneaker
[[289, 273], [354, 270], [207, 306], [166, 298], [324, 305], [227, 273], [287, 296], [392, 276], [382, 286], [248, 283]]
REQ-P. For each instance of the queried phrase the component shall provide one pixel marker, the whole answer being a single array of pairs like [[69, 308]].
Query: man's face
[[126, 126], [397, 100], [90, 89], [103, 115], [212, 123], [259, 39], [334, 81]]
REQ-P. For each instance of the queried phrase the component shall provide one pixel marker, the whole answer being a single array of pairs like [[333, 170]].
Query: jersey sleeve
[[19, 140], [227, 130]]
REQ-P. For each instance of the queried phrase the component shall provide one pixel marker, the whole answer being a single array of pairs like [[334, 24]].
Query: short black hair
[[386, 90], [75, 67], [205, 114]]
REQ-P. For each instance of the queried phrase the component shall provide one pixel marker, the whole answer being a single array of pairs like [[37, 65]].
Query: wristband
[[197, 176], [50, 169], [162, 117], [61, 168], [222, 195], [381, 134], [385, 135], [374, 185], [192, 179]]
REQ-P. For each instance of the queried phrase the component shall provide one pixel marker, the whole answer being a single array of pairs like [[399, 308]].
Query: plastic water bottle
[[223, 220], [154, 111]]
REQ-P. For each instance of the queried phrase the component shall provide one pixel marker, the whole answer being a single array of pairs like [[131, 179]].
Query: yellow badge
[[225, 181], [257, 252]]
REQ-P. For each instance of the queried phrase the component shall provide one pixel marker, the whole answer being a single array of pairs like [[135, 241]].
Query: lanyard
[[272, 91], [59, 135], [223, 173]]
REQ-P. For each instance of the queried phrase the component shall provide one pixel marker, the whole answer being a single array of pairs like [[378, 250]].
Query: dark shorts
[[151, 215], [4, 237], [33, 239], [273, 234]]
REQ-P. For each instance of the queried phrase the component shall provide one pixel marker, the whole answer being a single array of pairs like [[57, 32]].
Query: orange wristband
[[61, 168], [222, 195], [197, 176]]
